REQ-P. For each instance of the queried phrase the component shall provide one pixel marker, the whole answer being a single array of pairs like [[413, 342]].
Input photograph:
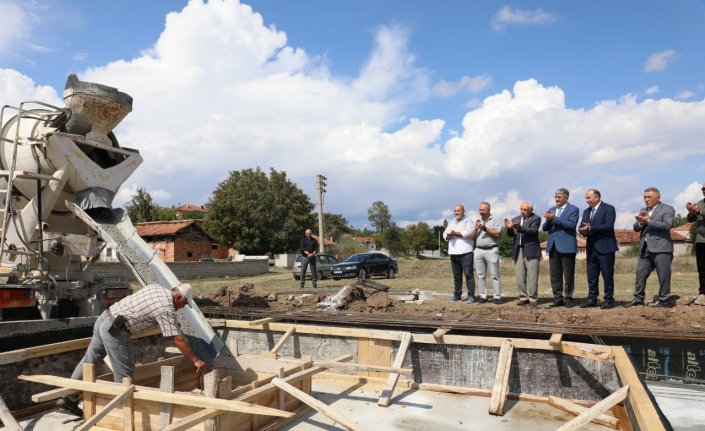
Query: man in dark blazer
[[526, 252], [656, 247], [597, 226], [562, 246]]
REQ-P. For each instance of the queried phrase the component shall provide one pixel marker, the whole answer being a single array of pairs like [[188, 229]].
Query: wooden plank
[[363, 367], [644, 411], [88, 397], [128, 408], [570, 407], [52, 394], [556, 340], [283, 339], [191, 420], [105, 410], [314, 403], [224, 388], [262, 322], [210, 389], [596, 410], [388, 390], [363, 354], [440, 332], [166, 384], [501, 378], [6, 417], [151, 394]]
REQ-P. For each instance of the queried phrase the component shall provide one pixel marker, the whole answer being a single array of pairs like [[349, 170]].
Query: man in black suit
[[526, 252], [597, 226], [654, 223]]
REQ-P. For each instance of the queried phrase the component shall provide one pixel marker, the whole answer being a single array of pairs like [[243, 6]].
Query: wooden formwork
[[258, 392]]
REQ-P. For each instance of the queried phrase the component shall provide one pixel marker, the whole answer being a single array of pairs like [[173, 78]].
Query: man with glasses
[[526, 252], [696, 214]]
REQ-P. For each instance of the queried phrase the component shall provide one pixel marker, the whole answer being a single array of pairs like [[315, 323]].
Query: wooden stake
[[596, 410], [128, 407], [6, 416], [556, 340], [88, 397], [111, 405], [210, 389], [224, 388], [281, 341], [388, 390], [314, 403], [501, 378], [440, 332], [166, 384]]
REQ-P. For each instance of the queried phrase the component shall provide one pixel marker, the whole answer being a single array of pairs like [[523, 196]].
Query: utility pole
[[321, 186]]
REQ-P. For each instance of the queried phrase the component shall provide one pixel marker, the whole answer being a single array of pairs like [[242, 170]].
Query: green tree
[[335, 225], [141, 208], [258, 214], [393, 239], [164, 214], [505, 243], [379, 216], [193, 215], [679, 220], [346, 246], [419, 237]]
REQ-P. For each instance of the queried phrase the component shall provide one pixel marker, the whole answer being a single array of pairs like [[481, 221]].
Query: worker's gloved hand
[[200, 367]]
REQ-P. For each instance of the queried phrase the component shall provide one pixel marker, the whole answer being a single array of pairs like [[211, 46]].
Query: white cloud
[[14, 25], [652, 90], [16, 87], [80, 56], [468, 84], [506, 16], [659, 61], [691, 193], [685, 95]]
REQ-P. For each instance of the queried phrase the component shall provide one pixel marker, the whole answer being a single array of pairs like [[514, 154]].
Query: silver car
[[323, 264]]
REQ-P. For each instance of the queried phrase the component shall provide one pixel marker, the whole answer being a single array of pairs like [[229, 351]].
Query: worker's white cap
[[186, 290]]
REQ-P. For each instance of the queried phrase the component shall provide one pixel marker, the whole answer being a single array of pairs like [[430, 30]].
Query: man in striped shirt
[[150, 307]]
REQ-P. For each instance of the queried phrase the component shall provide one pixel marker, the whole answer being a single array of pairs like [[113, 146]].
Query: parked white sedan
[[323, 264]]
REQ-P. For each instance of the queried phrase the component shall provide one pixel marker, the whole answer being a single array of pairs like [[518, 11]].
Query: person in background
[[460, 249], [597, 226], [696, 214], [309, 247], [526, 252], [562, 247], [487, 229], [654, 223]]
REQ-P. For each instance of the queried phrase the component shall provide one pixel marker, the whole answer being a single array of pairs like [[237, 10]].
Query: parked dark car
[[365, 265], [324, 262]]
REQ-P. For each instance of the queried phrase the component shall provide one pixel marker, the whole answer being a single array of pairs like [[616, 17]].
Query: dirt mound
[[379, 301], [240, 296]]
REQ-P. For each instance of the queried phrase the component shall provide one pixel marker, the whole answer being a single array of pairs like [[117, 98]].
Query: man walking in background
[[696, 214], [597, 226], [526, 252], [654, 223], [486, 236], [460, 249], [562, 247], [309, 247]]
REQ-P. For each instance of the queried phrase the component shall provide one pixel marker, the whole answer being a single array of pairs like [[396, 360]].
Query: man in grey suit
[[526, 253], [654, 224], [562, 247]]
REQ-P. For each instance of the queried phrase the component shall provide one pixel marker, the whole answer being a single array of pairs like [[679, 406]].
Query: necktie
[[592, 213], [559, 212]]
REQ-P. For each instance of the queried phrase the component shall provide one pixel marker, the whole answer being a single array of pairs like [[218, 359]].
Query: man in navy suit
[[597, 226], [656, 247], [562, 247], [526, 252]]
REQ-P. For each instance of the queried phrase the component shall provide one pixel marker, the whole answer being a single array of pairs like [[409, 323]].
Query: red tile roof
[[364, 239], [628, 236], [162, 228], [191, 207]]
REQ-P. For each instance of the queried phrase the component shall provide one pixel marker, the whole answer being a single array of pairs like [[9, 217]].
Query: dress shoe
[[568, 302], [556, 303], [454, 299], [483, 300], [523, 302], [497, 301], [471, 299], [633, 303], [589, 304], [607, 306], [69, 405], [661, 304]]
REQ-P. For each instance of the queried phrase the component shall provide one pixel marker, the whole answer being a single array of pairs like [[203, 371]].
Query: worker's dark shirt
[[308, 245]]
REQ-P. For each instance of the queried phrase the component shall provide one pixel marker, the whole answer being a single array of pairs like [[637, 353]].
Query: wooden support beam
[[6, 417], [314, 403], [388, 390], [151, 394], [88, 397], [224, 388], [363, 367], [108, 407], [576, 409], [128, 407], [501, 378], [283, 339], [262, 322], [556, 340], [644, 410], [596, 410], [52, 394], [166, 384], [440, 332], [191, 420], [210, 389]]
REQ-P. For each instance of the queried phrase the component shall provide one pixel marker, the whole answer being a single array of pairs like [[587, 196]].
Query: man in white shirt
[[460, 249]]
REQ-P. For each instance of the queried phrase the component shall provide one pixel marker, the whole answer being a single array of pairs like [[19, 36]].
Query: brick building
[[182, 240], [185, 210]]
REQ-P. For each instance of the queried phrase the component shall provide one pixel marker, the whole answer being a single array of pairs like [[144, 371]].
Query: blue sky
[[420, 104]]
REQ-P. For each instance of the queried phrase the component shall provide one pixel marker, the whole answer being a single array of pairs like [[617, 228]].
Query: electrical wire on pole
[[321, 186]]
